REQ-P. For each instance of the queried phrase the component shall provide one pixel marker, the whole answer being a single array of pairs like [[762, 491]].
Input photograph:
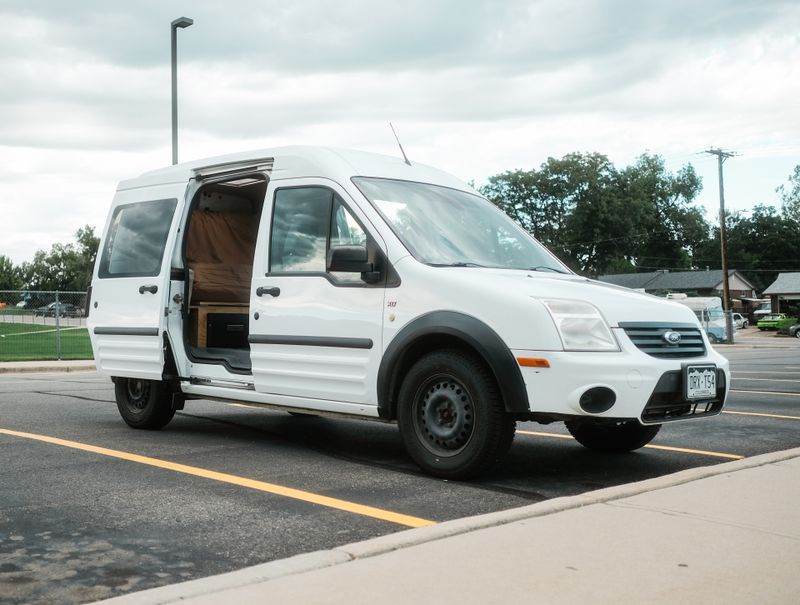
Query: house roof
[[678, 280], [630, 280], [787, 283]]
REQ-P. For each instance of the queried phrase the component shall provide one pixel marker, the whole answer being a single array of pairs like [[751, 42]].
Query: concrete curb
[[414, 537], [7, 368]]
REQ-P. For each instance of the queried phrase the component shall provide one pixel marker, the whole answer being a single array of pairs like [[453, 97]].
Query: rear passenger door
[[130, 288], [314, 334]]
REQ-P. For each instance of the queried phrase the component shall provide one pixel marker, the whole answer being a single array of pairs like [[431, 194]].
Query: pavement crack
[[79, 397], [694, 516]]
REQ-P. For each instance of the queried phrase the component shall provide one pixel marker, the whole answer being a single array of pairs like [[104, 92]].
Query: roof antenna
[[405, 157]]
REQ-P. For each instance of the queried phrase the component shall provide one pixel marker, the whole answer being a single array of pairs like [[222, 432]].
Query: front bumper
[[646, 387]]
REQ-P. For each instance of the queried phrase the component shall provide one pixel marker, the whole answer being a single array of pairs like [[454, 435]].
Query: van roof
[[303, 161], [699, 302]]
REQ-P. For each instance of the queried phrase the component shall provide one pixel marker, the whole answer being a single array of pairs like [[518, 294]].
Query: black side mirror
[[352, 259]]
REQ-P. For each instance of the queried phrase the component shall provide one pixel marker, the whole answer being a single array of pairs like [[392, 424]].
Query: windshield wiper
[[459, 264], [546, 268]]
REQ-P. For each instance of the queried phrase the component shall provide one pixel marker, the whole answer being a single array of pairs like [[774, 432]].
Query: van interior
[[218, 251]]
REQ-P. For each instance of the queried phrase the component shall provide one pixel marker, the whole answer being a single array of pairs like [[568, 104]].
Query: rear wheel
[[143, 404], [614, 437], [451, 415]]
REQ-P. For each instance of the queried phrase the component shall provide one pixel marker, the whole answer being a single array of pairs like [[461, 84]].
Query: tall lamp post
[[180, 22]]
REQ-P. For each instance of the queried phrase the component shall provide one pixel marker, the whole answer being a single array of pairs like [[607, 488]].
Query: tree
[[760, 246], [65, 266], [10, 276], [791, 197], [667, 228], [599, 219]]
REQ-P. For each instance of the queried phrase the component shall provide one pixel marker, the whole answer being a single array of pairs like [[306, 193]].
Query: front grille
[[649, 338], [667, 402]]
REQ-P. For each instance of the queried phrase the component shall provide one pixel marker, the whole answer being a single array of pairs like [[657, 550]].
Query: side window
[[306, 223], [136, 238], [300, 229]]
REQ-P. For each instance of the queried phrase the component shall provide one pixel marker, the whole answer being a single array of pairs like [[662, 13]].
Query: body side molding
[[114, 331], [311, 341]]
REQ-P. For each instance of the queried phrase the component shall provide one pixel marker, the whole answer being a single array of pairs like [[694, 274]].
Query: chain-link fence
[[43, 325]]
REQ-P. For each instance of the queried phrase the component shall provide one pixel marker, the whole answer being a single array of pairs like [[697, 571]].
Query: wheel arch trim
[[475, 334]]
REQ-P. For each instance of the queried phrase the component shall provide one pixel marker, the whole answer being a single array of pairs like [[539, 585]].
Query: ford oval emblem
[[671, 337]]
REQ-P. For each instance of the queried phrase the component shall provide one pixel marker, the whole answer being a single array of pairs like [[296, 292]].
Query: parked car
[[794, 330], [62, 309], [776, 321], [740, 321]]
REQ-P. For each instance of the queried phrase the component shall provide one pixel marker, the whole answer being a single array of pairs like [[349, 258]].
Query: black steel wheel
[[143, 404], [451, 415], [612, 436]]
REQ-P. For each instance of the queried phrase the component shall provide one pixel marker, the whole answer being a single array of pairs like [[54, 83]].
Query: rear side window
[[136, 238]]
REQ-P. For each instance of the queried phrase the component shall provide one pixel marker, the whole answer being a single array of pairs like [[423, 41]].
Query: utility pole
[[723, 238]]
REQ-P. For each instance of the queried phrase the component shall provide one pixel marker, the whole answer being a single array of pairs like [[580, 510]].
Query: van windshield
[[447, 227]]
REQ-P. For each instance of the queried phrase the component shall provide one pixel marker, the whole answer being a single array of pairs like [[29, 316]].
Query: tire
[[143, 404], [713, 339], [745, 325], [612, 437], [797, 334], [451, 415]]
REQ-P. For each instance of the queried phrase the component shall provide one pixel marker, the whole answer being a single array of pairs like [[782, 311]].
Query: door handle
[[152, 289], [271, 291]]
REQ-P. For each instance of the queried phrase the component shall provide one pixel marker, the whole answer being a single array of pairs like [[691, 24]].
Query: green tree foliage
[[64, 266], [599, 219], [759, 246], [790, 196], [10, 277]]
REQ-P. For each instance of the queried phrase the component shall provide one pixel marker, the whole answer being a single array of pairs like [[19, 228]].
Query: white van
[[327, 281], [709, 312]]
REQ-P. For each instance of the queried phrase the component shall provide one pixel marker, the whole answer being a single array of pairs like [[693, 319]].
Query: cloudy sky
[[474, 87]]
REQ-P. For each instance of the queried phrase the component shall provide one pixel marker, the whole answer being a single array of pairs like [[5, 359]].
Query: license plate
[[700, 382]]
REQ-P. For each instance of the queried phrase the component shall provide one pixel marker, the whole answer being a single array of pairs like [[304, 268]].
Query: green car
[[776, 321]]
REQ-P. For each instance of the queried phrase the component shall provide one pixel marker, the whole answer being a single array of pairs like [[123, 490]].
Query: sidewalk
[[723, 534], [26, 367]]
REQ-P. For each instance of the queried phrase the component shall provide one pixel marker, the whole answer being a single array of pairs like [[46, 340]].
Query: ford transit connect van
[[327, 281]]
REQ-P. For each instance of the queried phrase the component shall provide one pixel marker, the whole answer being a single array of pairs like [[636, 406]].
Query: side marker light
[[533, 362]]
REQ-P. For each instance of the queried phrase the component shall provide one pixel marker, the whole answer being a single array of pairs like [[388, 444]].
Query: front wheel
[[612, 436], [451, 415], [143, 404], [713, 339]]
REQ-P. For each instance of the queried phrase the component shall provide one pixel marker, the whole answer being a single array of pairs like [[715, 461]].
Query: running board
[[222, 382]]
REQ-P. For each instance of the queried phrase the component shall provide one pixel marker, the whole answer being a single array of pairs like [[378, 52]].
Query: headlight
[[580, 325]]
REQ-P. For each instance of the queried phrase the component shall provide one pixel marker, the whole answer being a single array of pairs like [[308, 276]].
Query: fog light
[[597, 400]]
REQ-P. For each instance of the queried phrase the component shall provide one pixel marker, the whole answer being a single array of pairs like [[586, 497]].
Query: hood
[[617, 304]]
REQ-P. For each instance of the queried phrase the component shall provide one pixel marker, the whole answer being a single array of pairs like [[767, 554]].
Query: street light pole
[[180, 22]]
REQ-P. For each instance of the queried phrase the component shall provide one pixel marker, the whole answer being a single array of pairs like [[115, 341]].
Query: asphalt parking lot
[[92, 509]]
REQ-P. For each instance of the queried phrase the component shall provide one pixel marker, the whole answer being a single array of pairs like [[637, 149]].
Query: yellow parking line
[[763, 414], [667, 448], [271, 488]]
